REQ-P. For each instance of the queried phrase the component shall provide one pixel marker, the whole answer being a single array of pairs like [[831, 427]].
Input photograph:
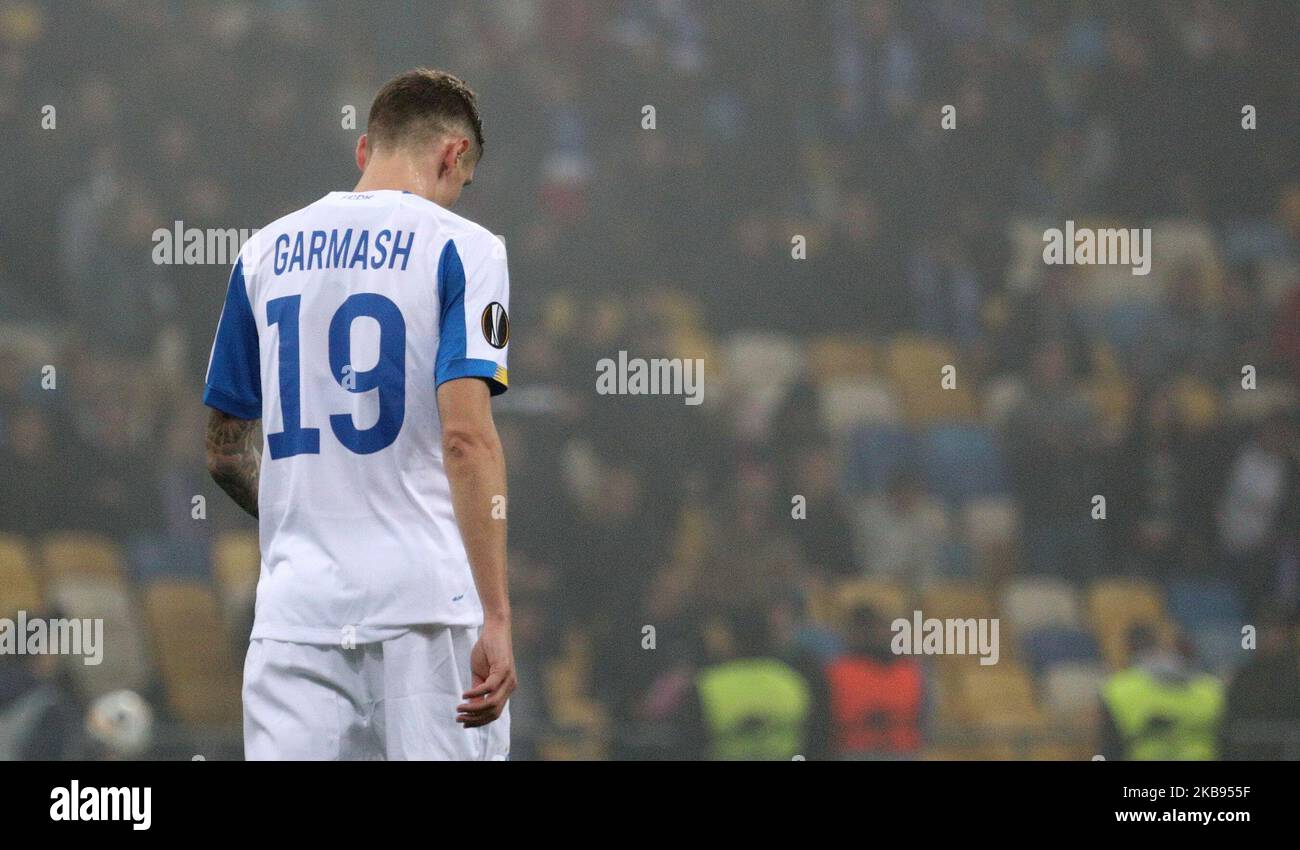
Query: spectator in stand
[[1262, 716], [1051, 441], [901, 533]]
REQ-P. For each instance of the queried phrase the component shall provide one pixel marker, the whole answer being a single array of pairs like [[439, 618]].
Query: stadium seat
[[875, 454], [1052, 646], [849, 402], [1035, 602], [999, 696], [956, 599], [1117, 604], [152, 557], [990, 528], [840, 357], [1072, 694], [199, 674], [1058, 751], [961, 462], [72, 553], [125, 662], [1194, 603], [19, 588], [915, 365], [236, 565]]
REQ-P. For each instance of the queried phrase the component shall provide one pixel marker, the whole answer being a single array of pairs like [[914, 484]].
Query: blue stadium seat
[[961, 462], [876, 454], [151, 558], [1122, 325], [1055, 645], [1195, 603]]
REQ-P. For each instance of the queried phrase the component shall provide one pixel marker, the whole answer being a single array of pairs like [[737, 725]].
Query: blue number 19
[[388, 376]]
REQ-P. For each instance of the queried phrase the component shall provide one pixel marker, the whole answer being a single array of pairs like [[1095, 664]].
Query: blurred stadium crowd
[[772, 120]]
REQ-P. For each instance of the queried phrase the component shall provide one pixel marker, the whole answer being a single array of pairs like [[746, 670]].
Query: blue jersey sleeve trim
[[451, 305], [218, 400], [234, 383], [469, 367]]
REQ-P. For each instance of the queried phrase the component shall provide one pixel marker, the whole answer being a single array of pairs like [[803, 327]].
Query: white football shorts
[[390, 700]]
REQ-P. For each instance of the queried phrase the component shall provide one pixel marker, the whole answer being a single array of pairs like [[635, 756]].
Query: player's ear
[[452, 154], [363, 152]]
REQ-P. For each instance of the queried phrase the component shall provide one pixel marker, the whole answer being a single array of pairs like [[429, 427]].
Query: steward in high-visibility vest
[[754, 704], [1161, 710], [876, 697], [754, 708], [876, 705]]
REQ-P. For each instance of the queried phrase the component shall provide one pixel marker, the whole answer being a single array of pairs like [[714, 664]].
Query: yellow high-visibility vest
[[1174, 721], [755, 708]]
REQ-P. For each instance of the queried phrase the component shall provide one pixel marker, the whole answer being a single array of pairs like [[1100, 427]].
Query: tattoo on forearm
[[235, 457]]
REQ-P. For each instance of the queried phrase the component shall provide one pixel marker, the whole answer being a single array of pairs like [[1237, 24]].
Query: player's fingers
[[492, 702], [492, 683], [473, 722], [480, 711], [496, 699]]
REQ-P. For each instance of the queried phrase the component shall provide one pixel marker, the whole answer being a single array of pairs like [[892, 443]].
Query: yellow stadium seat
[[19, 588], [1115, 605], [193, 650], [999, 696], [957, 599], [72, 553], [915, 365], [236, 564], [837, 356]]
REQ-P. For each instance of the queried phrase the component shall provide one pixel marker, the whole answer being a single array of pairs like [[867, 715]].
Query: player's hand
[[492, 666]]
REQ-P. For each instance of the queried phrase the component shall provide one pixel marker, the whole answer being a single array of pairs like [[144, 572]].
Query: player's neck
[[398, 174]]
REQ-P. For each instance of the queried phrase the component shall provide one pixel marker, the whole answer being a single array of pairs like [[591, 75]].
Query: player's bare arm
[[234, 448], [476, 469]]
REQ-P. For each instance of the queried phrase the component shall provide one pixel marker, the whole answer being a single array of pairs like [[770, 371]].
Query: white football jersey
[[340, 321]]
